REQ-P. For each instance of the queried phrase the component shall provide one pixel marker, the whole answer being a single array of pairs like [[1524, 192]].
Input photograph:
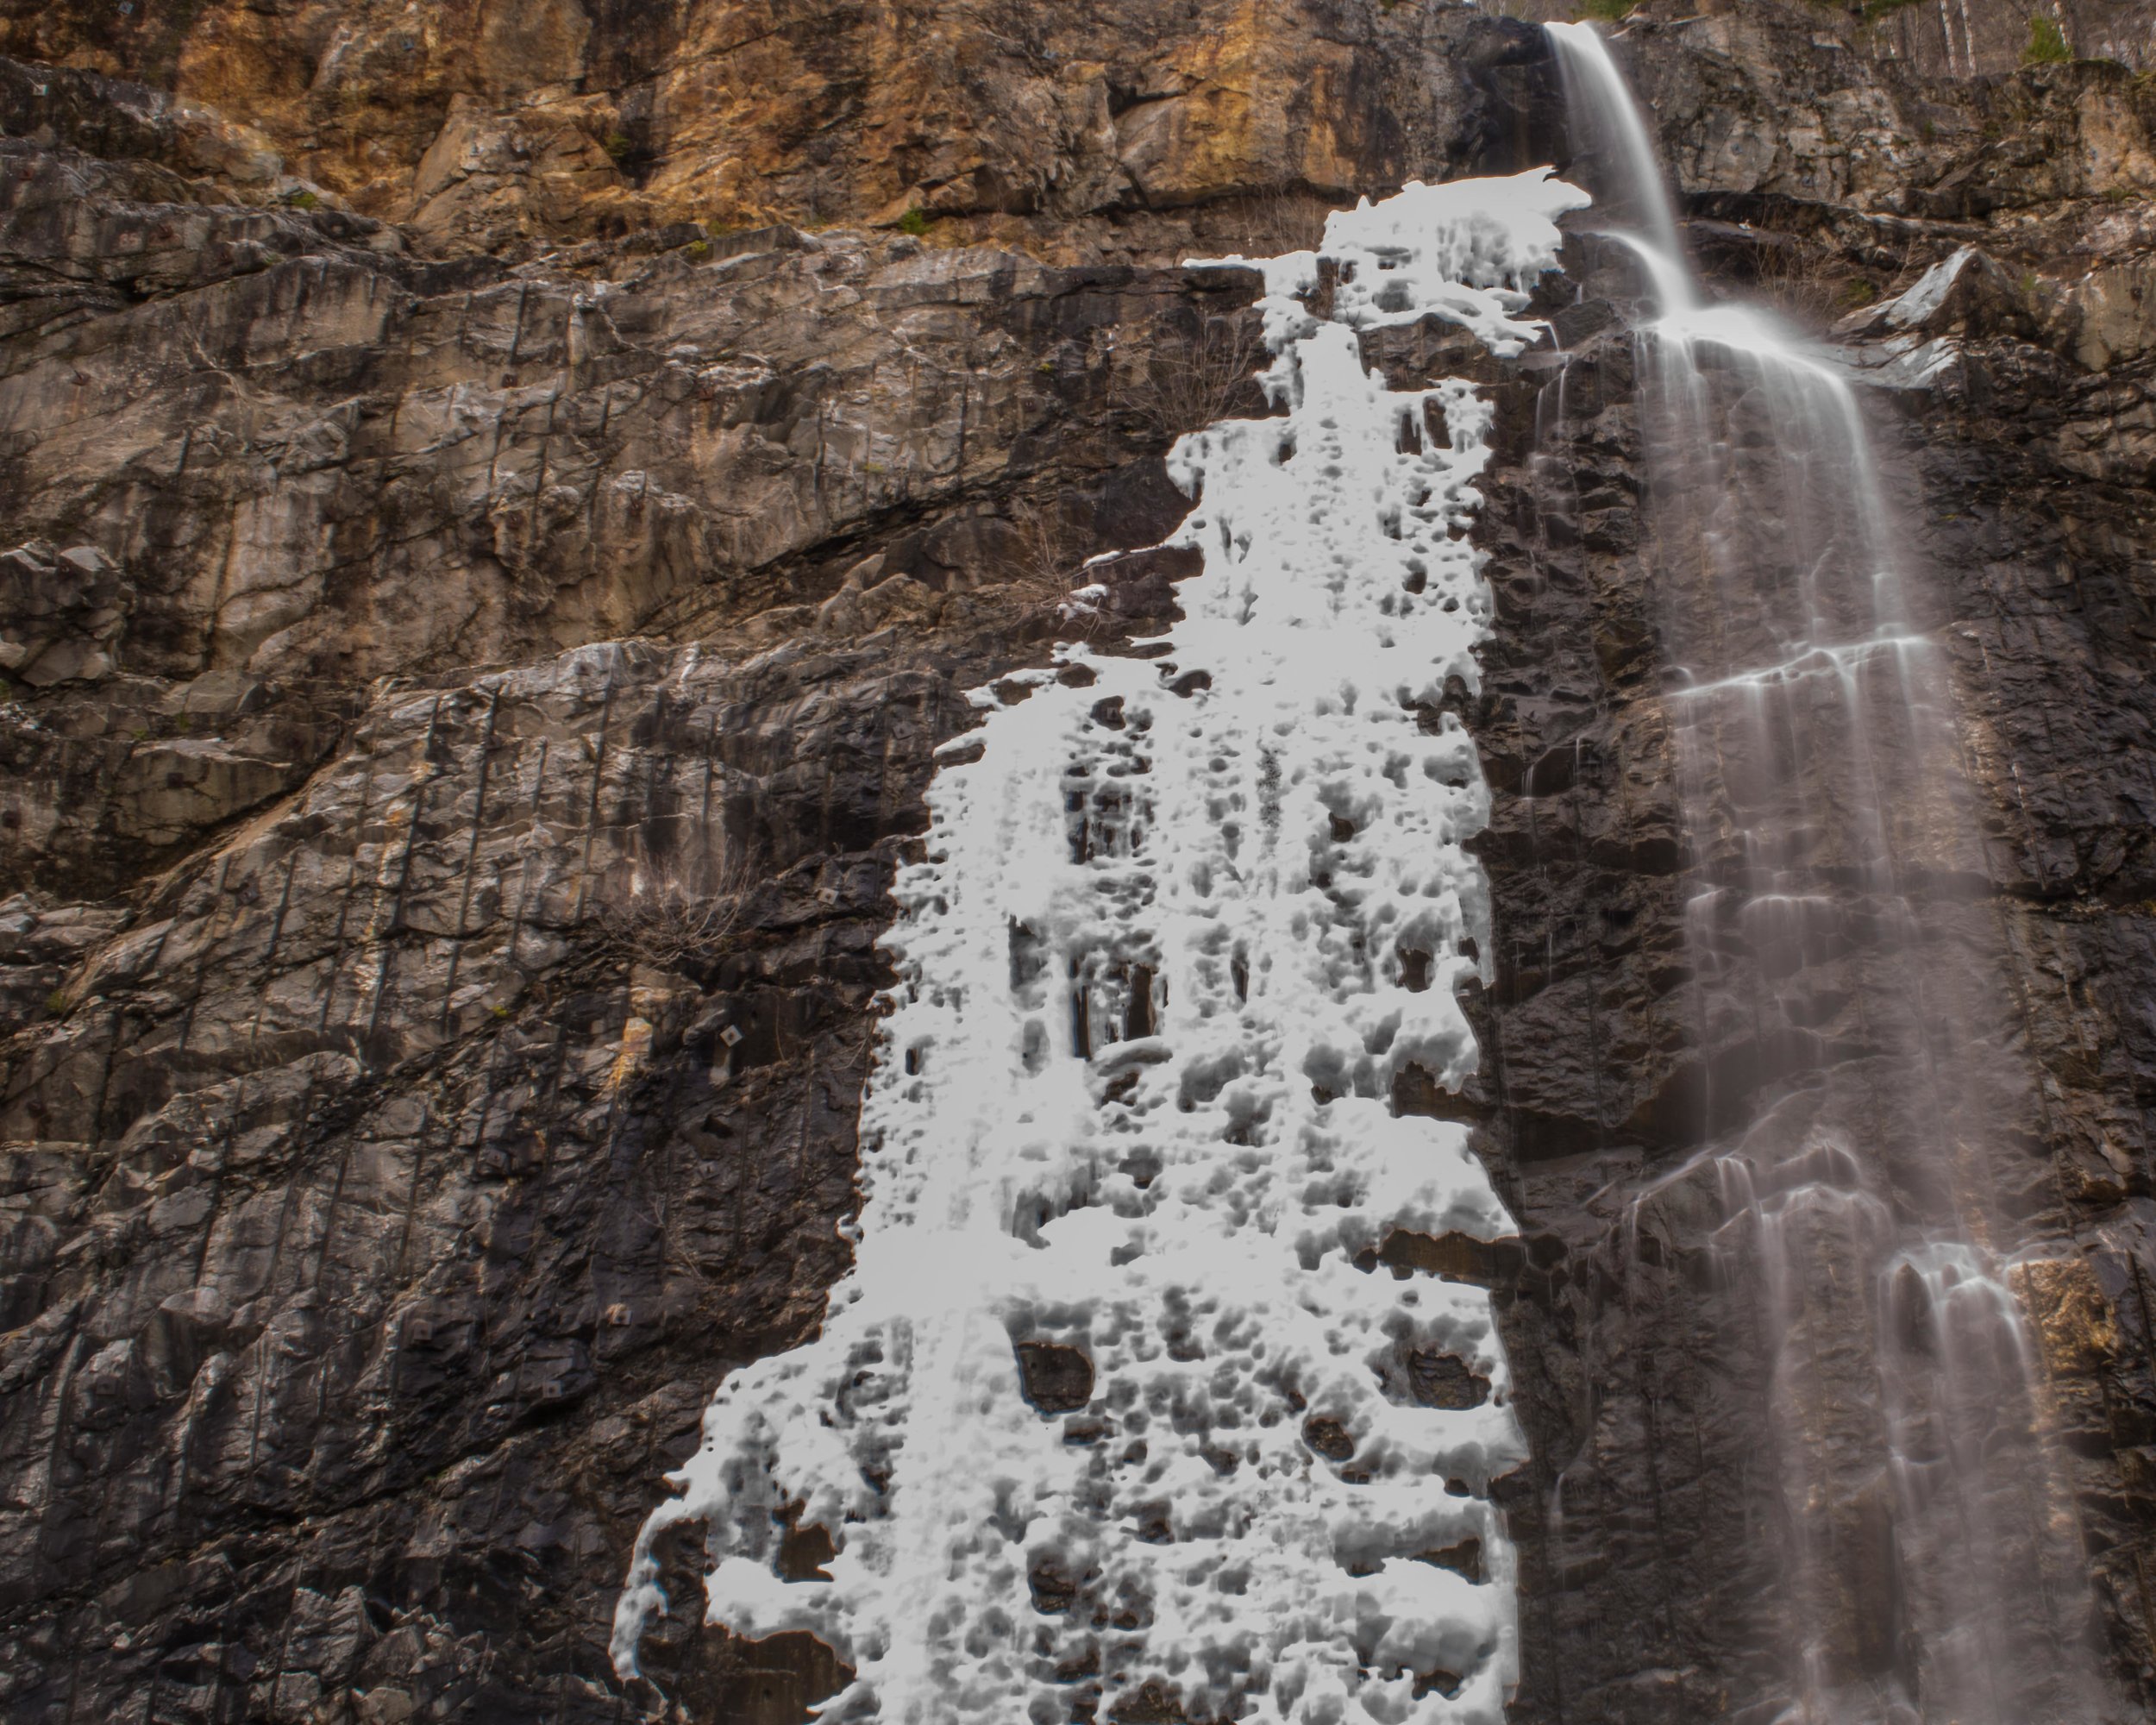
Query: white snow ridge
[[1183, 921]]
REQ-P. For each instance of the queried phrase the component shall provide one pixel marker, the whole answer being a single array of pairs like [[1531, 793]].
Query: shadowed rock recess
[[500, 504]]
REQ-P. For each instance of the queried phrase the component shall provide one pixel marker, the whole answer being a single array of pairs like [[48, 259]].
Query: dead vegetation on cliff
[[677, 915], [1194, 376]]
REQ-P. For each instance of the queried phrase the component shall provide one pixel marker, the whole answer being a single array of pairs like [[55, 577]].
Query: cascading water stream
[[1186, 923], [1927, 1567]]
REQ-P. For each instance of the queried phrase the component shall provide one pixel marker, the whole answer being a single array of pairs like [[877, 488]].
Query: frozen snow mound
[[1186, 923]]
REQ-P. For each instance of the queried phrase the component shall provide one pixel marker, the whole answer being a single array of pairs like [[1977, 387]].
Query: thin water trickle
[[1853, 1061]]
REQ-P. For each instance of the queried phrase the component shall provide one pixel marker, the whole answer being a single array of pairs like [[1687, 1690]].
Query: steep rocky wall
[[1940, 41], [1972, 38], [469, 681], [2015, 448], [345, 1341], [1650, 1566], [445, 563], [495, 126]]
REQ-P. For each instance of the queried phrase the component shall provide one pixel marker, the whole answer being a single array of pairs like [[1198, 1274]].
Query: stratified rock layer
[[500, 125]]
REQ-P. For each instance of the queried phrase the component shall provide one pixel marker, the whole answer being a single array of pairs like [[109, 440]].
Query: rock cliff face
[[500, 509], [501, 127], [1824, 180]]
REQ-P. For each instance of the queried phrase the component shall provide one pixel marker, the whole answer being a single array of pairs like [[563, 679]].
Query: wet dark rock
[[1464, 1558], [1440, 1380], [1328, 1438], [1058, 1380], [1638, 1515]]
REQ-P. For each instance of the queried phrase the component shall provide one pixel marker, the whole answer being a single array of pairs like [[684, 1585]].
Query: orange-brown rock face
[[478, 126]]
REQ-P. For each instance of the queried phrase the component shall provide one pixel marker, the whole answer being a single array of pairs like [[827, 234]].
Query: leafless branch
[[1272, 224], [1813, 281], [675, 914], [1049, 566], [1189, 383]]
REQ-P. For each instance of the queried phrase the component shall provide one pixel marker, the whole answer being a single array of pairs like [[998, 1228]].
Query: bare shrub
[[1813, 281], [1049, 572], [1192, 382], [1044, 565], [1268, 224], [1809, 283], [674, 915]]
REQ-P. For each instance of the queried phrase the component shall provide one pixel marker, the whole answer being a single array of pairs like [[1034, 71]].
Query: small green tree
[[2046, 42]]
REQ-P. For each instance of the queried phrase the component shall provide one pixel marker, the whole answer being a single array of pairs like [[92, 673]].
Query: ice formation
[[1184, 920]]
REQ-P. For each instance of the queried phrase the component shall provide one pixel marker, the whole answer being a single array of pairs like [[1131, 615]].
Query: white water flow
[[1185, 920], [1855, 1051]]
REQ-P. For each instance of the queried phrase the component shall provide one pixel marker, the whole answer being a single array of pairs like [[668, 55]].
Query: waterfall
[[1118, 1402], [1854, 1054]]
